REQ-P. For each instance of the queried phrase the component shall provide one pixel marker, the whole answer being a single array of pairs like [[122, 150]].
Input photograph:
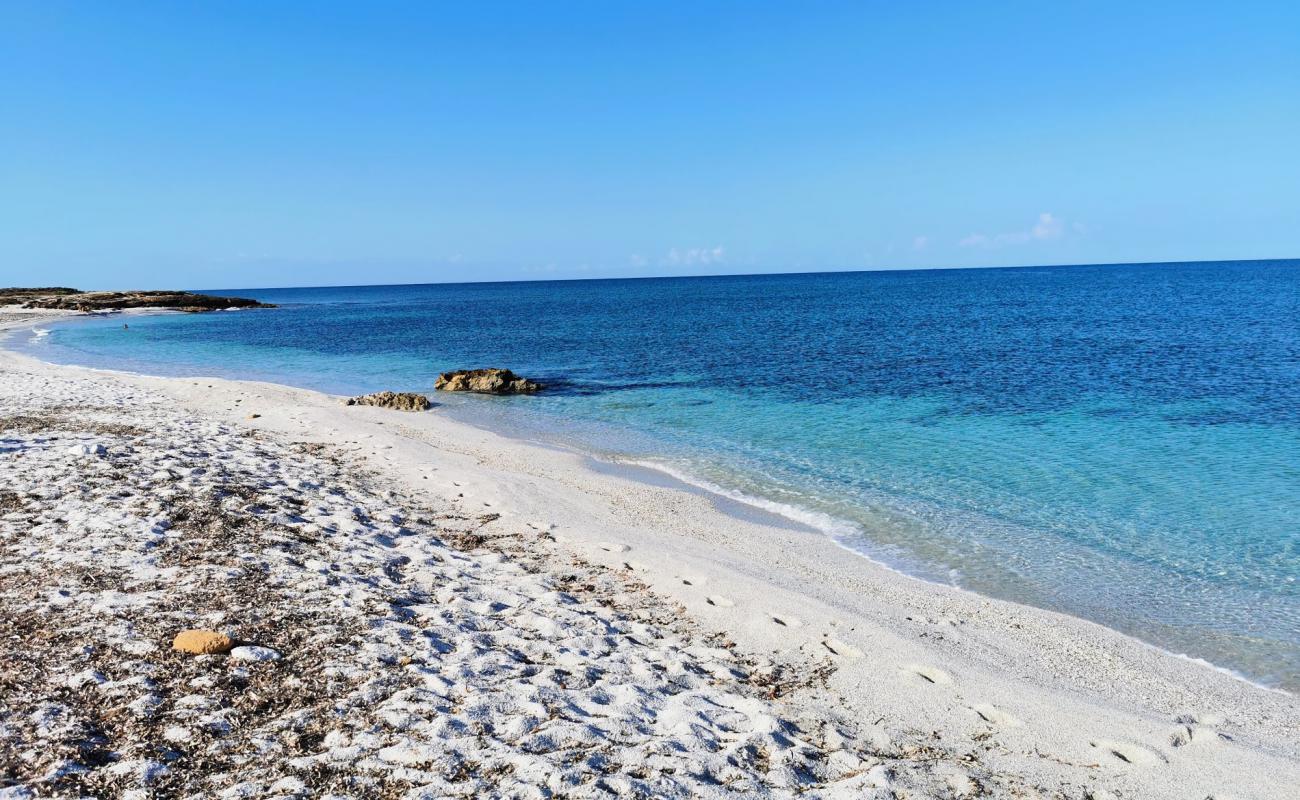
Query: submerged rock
[[398, 401], [201, 642], [485, 381]]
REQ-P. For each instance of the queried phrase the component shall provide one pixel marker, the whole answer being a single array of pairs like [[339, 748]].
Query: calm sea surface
[[1121, 442]]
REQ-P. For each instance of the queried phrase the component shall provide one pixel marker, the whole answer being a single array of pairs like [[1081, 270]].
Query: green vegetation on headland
[[60, 297]]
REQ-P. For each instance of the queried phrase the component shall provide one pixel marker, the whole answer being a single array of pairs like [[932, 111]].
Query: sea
[[1116, 442]]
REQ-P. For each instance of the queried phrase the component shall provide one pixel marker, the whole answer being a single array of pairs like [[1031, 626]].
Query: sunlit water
[[1121, 443]]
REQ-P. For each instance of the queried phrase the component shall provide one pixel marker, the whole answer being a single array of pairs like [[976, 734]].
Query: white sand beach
[[451, 613]]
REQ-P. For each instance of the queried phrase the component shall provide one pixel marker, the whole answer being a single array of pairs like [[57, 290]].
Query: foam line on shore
[[833, 528]]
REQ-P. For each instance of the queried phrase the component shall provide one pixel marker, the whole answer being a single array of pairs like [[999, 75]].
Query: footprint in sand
[[720, 601], [614, 547], [996, 716], [1196, 729], [928, 674], [1129, 752], [690, 580], [842, 648], [787, 621]]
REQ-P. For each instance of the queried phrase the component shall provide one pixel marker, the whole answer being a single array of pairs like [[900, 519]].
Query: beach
[[457, 613]]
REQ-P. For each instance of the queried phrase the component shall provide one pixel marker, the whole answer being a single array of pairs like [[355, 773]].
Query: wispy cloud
[[695, 256], [920, 242], [1046, 228]]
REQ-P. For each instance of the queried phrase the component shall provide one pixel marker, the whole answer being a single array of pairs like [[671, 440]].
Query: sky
[[248, 144]]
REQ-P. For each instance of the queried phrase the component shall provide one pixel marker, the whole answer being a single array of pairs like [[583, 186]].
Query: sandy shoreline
[[926, 689]]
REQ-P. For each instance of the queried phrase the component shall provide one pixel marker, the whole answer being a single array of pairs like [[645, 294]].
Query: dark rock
[[398, 401], [485, 381]]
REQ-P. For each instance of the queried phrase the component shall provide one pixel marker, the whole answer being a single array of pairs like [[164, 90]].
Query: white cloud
[[920, 242], [695, 256], [1046, 228]]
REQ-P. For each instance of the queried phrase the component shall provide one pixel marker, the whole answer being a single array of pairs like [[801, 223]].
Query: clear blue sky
[[305, 143]]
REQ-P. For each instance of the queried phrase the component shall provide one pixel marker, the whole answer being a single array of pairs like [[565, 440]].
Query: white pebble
[[254, 653], [85, 677]]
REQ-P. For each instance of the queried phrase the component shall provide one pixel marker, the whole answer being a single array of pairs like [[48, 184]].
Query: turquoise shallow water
[[1121, 443]]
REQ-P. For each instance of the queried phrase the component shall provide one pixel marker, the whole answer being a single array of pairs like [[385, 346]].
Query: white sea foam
[[840, 531], [831, 526], [1225, 670], [141, 312]]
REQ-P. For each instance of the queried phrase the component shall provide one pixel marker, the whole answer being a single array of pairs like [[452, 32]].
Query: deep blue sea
[[1121, 443]]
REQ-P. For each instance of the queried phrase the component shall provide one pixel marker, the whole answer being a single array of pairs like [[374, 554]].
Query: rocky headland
[[64, 298]]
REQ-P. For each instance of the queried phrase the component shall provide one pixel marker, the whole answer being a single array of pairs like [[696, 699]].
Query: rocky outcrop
[[485, 381], [398, 401], [75, 300]]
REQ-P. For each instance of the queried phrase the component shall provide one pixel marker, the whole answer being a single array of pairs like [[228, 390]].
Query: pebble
[[202, 642], [254, 653], [87, 677]]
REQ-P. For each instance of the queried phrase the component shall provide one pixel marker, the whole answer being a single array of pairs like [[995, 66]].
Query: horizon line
[[747, 274]]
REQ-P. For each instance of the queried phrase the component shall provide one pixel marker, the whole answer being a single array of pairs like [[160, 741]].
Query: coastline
[[1064, 704], [646, 468]]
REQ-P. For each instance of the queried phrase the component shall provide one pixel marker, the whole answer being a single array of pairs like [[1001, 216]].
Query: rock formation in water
[[61, 297], [485, 381], [398, 401]]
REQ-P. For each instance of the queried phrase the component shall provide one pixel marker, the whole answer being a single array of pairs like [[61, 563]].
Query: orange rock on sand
[[200, 642]]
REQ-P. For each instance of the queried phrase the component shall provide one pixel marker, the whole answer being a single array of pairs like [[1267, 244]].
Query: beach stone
[[254, 653], [398, 401], [485, 381], [201, 642], [87, 677]]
